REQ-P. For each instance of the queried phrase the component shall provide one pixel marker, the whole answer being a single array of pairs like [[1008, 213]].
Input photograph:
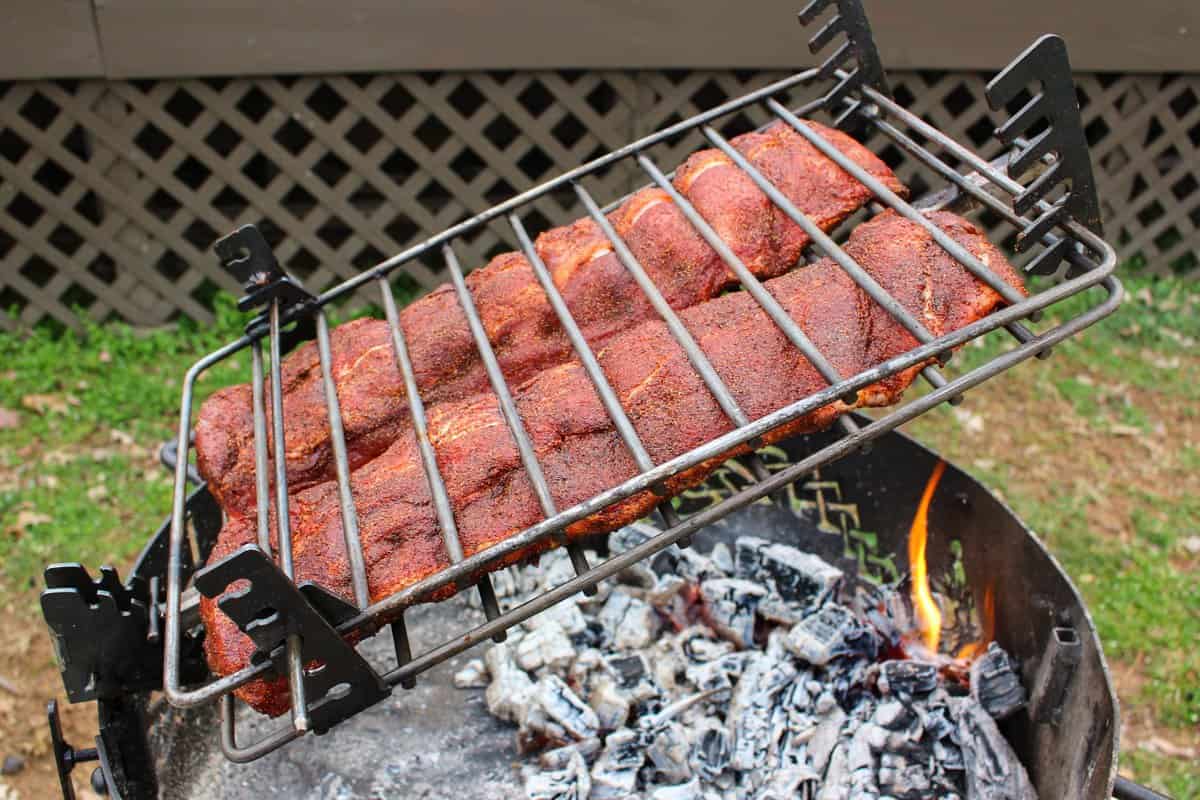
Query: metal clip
[[100, 632], [247, 255], [342, 683], [1046, 63], [858, 54]]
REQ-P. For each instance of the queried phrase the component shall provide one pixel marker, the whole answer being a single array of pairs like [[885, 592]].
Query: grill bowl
[[438, 741]]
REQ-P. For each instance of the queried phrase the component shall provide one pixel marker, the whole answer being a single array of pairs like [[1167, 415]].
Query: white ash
[[731, 608], [747, 673], [570, 781], [472, 676], [547, 646]]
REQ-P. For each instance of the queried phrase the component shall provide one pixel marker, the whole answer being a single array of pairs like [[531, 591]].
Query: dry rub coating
[[520, 324], [665, 398]]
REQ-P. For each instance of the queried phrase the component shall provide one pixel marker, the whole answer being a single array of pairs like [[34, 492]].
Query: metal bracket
[[1046, 63], [857, 55], [101, 632], [247, 255], [339, 681]]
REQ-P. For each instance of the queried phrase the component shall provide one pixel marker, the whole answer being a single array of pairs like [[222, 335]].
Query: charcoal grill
[[150, 635]]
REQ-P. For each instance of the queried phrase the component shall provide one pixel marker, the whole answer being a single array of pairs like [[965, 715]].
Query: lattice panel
[[113, 192]]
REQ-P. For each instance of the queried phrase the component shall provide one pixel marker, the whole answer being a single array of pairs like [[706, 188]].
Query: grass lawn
[[1097, 447]]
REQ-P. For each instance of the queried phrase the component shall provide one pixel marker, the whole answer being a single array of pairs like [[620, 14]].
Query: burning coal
[[760, 673]]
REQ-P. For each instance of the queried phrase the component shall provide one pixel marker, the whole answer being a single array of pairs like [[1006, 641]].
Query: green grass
[[1145, 607], [79, 474], [1163, 773], [107, 398], [117, 395]]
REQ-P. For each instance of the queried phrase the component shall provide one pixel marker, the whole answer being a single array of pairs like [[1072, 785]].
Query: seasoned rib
[[519, 322], [576, 444]]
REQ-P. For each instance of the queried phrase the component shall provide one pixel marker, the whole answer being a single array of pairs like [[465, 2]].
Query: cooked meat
[[672, 411], [519, 322]]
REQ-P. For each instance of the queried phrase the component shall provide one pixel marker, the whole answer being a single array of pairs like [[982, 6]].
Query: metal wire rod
[[350, 532], [270, 742], [416, 409], [825, 244], [262, 480], [433, 474], [959, 253], [403, 649], [608, 397], [751, 284], [487, 594], [496, 376], [696, 357], [283, 523], [508, 408], [244, 755]]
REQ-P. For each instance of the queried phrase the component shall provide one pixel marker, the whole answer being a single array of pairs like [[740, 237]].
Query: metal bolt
[[99, 784]]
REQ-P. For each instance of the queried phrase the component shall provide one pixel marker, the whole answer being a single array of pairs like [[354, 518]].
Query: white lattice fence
[[113, 192]]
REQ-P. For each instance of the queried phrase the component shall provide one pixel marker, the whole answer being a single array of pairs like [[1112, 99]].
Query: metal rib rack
[[1091, 262]]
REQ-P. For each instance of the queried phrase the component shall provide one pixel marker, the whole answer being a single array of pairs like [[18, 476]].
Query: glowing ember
[[929, 616]]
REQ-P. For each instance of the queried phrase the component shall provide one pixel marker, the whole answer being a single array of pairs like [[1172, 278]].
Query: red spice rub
[[518, 320], [576, 444]]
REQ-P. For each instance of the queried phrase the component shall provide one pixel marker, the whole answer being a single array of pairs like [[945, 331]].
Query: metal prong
[[403, 649], [491, 606]]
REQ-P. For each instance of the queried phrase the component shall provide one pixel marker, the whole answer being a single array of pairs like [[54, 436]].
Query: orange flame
[[987, 620], [929, 616]]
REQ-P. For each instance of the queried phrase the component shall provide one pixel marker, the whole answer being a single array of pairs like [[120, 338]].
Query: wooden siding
[[166, 38]]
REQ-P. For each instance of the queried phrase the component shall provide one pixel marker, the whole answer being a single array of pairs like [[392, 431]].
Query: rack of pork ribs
[[576, 443]]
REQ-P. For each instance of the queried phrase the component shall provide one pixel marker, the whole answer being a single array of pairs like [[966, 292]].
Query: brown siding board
[[156, 38], [49, 38]]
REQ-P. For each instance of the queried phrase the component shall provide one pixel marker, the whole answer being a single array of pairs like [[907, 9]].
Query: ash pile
[[757, 673]]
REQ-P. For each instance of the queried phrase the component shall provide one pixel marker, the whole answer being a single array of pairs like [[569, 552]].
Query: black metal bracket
[[247, 255], [857, 55], [101, 632], [338, 681], [1046, 63]]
